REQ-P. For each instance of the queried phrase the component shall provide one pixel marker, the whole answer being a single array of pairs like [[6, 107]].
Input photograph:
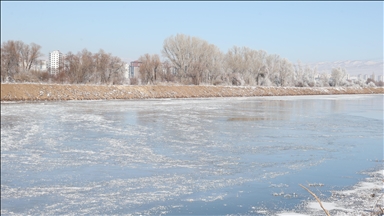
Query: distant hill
[[353, 68]]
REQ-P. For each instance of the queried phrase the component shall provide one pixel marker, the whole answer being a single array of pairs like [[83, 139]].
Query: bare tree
[[214, 64], [146, 70], [24, 57], [200, 57], [17, 57], [236, 64], [178, 50], [150, 68], [168, 72], [10, 59], [234, 59], [101, 60], [193, 57], [87, 67], [72, 66], [29, 55], [247, 66], [35, 55], [156, 66], [6, 63], [115, 71]]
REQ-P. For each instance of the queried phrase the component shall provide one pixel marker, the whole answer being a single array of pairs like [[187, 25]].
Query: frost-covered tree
[[299, 73], [305, 75], [324, 80], [286, 72], [371, 84], [214, 65], [247, 66], [193, 57], [338, 76], [308, 77], [235, 63], [259, 68]]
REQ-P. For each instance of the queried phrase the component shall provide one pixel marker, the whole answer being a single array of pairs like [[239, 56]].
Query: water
[[184, 156]]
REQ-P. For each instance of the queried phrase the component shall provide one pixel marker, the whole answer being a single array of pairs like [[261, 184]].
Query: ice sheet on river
[[185, 156]]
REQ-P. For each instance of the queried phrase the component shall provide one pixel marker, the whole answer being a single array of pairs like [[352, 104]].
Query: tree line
[[186, 60], [18, 59], [195, 61], [87, 67]]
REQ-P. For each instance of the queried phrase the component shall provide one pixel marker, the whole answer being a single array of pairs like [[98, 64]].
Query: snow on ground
[[327, 205], [291, 214], [366, 197]]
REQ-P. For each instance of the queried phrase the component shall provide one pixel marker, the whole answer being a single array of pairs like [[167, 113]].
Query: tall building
[[373, 77], [126, 70], [360, 77], [39, 65], [55, 61], [134, 69]]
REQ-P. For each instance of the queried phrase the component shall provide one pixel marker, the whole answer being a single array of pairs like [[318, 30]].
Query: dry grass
[[317, 199], [33, 91], [377, 210]]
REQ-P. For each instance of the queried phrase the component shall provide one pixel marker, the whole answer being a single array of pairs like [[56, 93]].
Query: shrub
[[133, 81]]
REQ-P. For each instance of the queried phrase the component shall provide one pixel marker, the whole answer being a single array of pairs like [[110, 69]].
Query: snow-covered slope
[[353, 67]]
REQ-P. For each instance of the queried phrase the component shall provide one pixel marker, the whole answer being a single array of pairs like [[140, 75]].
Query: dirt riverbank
[[48, 92]]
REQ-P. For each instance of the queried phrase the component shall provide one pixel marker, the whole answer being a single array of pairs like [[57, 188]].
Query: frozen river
[[184, 156]]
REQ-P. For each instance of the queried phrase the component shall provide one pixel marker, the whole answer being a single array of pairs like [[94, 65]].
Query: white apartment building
[[39, 65], [56, 59], [360, 77], [372, 76], [126, 70], [134, 69]]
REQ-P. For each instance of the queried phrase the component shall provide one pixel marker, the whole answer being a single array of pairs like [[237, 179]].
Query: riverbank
[[54, 92], [364, 198]]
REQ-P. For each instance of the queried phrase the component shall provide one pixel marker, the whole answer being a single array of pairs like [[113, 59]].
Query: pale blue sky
[[306, 31]]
